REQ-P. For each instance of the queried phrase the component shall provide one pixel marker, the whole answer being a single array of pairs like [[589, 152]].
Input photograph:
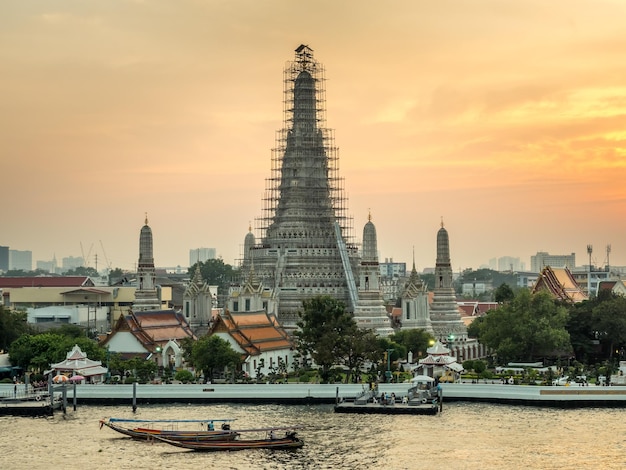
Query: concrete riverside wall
[[571, 396]]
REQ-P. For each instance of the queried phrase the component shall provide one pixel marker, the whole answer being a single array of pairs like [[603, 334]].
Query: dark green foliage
[[530, 327], [82, 271], [184, 376], [12, 325], [415, 340], [504, 293], [212, 354], [216, 273], [37, 352], [330, 336]]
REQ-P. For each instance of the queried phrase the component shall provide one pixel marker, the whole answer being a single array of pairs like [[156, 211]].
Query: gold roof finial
[[442, 221], [249, 226], [146, 222], [369, 215]]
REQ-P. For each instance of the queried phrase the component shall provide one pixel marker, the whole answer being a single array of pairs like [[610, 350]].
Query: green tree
[[583, 334], [504, 293], [429, 280], [360, 346], [115, 275], [217, 273], [474, 328], [388, 353], [184, 376], [530, 327], [212, 354], [13, 324], [415, 340], [609, 320], [324, 326], [82, 271], [38, 351], [142, 369], [35, 352]]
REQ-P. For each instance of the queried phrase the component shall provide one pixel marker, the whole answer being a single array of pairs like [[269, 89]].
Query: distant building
[[474, 288], [47, 266], [52, 300], [201, 255], [589, 281], [4, 258], [543, 259], [391, 270], [19, 259], [509, 263], [526, 279], [72, 262]]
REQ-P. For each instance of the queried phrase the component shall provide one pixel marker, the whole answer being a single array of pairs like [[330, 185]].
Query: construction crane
[[109, 267], [85, 258]]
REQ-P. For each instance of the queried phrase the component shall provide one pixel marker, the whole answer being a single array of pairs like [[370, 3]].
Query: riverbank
[[297, 394]]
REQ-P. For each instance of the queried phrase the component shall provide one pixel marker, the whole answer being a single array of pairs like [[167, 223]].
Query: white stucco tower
[[146, 295], [444, 311], [370, 311]]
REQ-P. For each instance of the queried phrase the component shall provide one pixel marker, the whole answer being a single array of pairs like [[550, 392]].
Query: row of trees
[[529, 327]]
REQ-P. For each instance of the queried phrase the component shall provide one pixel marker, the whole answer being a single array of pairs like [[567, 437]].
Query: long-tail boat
[[273, 439], [149, 429]]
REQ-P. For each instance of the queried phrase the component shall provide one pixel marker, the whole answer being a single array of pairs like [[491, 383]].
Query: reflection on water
[[464, 436]]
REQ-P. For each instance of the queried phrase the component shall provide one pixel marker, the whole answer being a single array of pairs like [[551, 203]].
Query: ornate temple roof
[[153, 328], [254, 332], [78, 363], [560, 283]]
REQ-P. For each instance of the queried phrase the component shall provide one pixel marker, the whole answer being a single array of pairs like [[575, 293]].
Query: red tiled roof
[[154, 328], [255, 332], [606, 285], [45, 281]]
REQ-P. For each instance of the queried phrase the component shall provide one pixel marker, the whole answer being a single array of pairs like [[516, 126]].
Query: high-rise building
[[48, 266], [543, 259], [69, 263], [392, 270], [201, 255], [4, 258], [509, 263], [21, 260], [305, 246]]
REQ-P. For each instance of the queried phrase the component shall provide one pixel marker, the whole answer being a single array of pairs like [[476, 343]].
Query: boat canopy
[[422, 378]]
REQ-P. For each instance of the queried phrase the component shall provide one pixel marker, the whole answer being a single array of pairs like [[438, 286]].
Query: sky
[[506, 119]]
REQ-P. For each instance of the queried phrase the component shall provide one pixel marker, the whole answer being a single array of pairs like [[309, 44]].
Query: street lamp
[[388, 356]]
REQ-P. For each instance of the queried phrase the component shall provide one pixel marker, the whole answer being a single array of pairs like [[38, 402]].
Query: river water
[[464, 436]]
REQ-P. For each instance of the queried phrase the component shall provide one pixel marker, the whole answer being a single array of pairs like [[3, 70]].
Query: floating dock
[[31, 404]]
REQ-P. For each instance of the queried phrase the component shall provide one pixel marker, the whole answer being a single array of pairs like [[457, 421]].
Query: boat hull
[[398, 409], [216, 446], [190, 436]]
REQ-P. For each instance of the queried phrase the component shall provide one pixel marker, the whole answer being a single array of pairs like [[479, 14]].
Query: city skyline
[[504, 119]]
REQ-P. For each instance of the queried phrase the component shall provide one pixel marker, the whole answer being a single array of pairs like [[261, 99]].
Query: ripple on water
[[464, 436]]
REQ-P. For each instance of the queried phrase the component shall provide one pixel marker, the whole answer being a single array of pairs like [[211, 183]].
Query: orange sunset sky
[[506, 118]]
